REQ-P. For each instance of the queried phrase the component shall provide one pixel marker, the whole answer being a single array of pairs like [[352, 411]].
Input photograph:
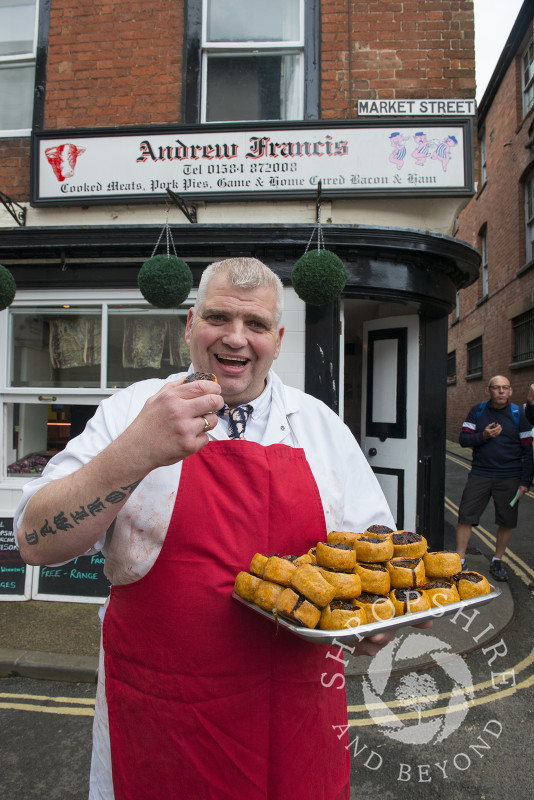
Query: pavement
[[60, 641]]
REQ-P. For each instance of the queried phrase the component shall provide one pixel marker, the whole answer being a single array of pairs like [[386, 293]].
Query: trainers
[[498, 571]]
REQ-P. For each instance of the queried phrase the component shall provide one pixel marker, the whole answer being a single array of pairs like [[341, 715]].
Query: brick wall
[[499, 205], [388, 50], [114, 63], [15, 169]]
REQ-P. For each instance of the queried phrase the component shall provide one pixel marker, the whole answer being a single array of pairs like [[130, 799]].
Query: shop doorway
[[381, 390]]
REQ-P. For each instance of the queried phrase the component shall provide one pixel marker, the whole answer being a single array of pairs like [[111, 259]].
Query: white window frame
[[484, 261], [36, 299], [28, 59], [483, 170], [250, 48], [527, 77], [529, 217]]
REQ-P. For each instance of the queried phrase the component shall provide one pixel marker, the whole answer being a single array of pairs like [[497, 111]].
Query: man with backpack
[[502, 467]]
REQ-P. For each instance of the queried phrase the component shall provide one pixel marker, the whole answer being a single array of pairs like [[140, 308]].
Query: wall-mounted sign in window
[[426, 156]]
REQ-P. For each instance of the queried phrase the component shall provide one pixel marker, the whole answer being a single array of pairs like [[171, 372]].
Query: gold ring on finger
[[207, 426]]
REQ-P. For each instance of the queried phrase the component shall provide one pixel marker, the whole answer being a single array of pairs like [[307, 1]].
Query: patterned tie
[[237, 420]]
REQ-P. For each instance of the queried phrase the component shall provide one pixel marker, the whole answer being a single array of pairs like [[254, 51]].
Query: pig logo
[[63, 159]]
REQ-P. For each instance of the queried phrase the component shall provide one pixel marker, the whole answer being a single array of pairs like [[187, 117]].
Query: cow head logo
[[62, 159]]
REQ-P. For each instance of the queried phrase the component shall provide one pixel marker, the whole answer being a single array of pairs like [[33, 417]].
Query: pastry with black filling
[[407, 601], [295, 607], [407, 544], [406, 572], [471, 584], [343, 537], [374, 549], [374, 578], [377, 606], [441, 592], [341, 557], [379, 530], [340, 615], [201, 376]]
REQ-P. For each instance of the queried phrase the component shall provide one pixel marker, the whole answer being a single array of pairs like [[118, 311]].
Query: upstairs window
[[18, 37], [523, 327], [248, 61], [483, 172], [252, 60], [528, 77], [451, 367], [529, 218], [483, 237], [474, 358]]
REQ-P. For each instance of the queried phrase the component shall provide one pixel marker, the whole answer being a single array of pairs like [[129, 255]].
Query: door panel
[[390, 371]]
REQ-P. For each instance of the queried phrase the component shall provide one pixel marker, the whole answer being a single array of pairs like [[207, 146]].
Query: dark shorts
[[477, 494]]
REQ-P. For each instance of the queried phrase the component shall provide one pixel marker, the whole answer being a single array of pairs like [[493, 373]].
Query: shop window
[[62, 360], [528, 77], [18, 38], [246, 60], [523, 328], [451, 367], [529, 218], [474, 358]]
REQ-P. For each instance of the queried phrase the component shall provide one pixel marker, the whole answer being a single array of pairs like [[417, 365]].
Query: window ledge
[[527, 362], [525, 268], [451, 381], [474, 377]]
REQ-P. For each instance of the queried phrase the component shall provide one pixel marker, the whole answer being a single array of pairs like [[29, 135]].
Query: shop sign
[[417, 108], [375, 158]]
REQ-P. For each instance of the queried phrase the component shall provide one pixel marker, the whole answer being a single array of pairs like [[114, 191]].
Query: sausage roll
[[471, 584], [347, 584], [279, 570], [307, 580], [245, 585], [266, 594], [294, 606]]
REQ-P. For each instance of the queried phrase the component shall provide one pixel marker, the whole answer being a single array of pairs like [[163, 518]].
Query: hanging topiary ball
[[165, 281], [8, 287], [319, 277]]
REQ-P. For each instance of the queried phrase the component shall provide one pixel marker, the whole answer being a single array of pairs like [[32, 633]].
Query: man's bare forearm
[[68, 515]]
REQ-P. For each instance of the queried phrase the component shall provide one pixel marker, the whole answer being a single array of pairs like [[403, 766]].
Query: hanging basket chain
[[168, 238], [317, 227]]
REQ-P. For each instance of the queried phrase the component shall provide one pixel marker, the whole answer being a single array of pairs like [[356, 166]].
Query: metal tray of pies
[[354, 635]]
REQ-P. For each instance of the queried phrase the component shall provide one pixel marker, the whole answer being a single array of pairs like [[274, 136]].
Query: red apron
[[207, 700]]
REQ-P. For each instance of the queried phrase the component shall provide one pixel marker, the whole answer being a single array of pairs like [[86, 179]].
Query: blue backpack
[[513, 408]]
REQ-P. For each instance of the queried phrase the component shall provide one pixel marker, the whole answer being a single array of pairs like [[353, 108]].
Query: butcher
[[178, 484]]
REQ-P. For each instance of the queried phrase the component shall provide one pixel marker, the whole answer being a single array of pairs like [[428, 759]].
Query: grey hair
[[249, 273]]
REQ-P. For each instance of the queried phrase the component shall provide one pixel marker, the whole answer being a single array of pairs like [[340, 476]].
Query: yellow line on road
[[434, 712], [76, 700], [77, 712], [520, 567]]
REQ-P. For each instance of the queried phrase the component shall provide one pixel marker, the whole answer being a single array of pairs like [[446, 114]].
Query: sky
[[494, 20]]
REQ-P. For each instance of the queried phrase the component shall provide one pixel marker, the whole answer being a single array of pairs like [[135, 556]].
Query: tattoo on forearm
[[63, 519]]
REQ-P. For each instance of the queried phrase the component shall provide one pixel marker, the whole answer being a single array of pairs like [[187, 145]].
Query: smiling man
[[197, 696], [502, 466]]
